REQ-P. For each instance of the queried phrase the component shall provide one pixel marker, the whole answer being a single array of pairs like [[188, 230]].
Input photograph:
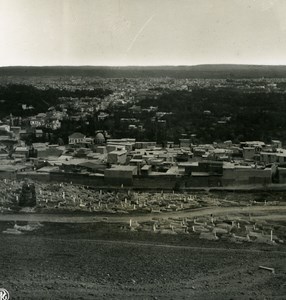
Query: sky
[[142, 32]]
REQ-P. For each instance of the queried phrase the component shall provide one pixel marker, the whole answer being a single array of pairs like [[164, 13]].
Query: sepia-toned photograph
[[143, 149]]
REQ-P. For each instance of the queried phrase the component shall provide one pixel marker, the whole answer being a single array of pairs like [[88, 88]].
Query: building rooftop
[[8, 168], [118, 152], [146, 167], [123, 168], [48, 169], [200, 174], [95, 164], [77, 135]]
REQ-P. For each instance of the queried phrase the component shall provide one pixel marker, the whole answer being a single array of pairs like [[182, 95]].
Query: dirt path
[[73, 218]]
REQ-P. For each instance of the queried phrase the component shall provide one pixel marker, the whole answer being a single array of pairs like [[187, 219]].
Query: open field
[[101, 260]]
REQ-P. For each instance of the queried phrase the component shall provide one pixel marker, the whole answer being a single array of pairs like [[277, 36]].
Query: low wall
[[118, 181], [203, 181], [83, 179], [43, 177], [155, 182], [152, 182]]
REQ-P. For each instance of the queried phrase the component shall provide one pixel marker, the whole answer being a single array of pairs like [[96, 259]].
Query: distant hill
[[200, 71]]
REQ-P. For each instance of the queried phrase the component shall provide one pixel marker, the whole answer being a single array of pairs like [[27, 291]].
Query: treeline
[[13, 96]]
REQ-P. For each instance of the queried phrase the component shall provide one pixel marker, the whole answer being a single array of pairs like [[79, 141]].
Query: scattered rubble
[[20, 229]]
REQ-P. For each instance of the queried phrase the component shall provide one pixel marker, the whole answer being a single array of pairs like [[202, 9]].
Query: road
[[79, 218]]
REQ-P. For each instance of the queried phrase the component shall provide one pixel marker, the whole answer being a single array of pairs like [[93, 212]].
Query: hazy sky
[[142, 32]]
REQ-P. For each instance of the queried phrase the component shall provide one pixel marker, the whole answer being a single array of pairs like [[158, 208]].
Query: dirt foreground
[[82, 262]]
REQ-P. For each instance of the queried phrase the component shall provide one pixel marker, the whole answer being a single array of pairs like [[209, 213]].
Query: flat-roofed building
[[117, 175], [245, 175], [117, 157], [21, 152], [248, 153], [268, 157]]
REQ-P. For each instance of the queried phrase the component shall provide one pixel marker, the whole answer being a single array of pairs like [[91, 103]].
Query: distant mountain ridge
[[211, 71]]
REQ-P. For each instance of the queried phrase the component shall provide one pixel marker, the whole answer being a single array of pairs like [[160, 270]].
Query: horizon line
[[163, 65]]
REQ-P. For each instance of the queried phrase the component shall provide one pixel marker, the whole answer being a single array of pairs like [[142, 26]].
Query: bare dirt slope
[[52, 264]]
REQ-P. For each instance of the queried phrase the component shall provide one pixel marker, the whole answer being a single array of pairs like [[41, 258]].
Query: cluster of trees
[[13, 96], [219, 115]]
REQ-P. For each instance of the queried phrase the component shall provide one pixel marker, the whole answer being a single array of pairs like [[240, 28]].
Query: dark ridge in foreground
[[229, 71]]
